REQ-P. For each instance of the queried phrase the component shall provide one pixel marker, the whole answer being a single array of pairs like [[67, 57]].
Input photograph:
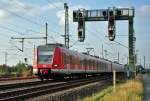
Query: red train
[[56, 61]]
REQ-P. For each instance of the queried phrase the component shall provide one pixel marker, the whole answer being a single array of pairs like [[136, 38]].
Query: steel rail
[[47, 89]]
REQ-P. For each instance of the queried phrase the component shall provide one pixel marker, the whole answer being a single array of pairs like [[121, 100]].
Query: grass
[[131, 90]]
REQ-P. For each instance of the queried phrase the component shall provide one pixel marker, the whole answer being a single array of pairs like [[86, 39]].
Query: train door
[[111, 66], [67, 63]]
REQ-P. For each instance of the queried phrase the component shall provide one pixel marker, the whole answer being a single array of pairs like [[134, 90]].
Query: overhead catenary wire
[[58, 33], [24, 18]]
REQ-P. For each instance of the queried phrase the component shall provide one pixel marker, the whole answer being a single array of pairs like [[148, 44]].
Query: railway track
[[23, 84], [45, 88], [16, 78]]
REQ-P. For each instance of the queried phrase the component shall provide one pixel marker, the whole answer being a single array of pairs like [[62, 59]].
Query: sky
[[27, 18]]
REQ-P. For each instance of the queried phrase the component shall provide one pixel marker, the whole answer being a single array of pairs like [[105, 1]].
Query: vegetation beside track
[[130, 90], [18, 70]]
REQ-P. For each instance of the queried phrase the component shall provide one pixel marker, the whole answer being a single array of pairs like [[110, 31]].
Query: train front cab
[[43, 61]]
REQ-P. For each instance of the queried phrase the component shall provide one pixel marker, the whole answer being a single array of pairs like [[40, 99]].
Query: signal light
[[111, 13], [25, 59], [74, 14], [119, 12], [104, 13], [80, 15], [81, 30], [80, 23], [80, 33], [111, 33]]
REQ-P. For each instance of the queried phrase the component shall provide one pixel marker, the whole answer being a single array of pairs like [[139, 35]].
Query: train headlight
[[55, 65], [35, 71]]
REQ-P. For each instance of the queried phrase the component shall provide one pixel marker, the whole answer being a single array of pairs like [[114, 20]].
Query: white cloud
[[144, 11], [3, 15], [61, 14], [55, 5], [20, 7]]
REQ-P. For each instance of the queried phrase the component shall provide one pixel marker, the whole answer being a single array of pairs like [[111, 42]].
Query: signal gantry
[[111, 15]]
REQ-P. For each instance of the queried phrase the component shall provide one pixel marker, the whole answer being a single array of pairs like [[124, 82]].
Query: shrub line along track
[[20, 94]]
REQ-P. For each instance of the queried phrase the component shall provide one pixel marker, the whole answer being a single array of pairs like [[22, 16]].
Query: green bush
[[22, 70], [19, 70], [4, 71]]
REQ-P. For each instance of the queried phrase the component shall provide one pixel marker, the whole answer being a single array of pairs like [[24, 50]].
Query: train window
[[68, 59], [78, 60], [89, 63], [61, 57], [71, 59], [94, 63], [99, 64], [74, 59], [102, 67], [85, 63], [65, 58], [106, 66], [45, 56]]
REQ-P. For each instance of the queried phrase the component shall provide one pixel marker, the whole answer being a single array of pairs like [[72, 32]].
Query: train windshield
[[45, 54]]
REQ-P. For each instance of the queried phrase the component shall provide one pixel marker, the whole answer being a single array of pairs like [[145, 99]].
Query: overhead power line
[[121, 44], [22, 17], [7, 28]]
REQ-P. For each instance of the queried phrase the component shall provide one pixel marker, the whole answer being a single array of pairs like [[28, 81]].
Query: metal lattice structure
[[66, 36]]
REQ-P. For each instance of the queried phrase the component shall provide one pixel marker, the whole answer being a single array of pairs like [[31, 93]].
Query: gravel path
[[146, 88]]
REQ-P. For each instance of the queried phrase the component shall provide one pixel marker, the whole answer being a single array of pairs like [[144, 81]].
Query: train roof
[[54, 44], [76, 52]]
